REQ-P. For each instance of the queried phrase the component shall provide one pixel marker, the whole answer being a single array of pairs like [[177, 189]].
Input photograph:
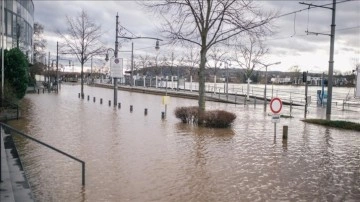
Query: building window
[[8, 23]]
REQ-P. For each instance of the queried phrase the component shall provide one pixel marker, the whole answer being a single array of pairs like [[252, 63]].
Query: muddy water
[[133, 157]]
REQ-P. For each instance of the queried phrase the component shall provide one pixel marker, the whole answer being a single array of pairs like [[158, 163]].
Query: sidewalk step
[[20, 189]]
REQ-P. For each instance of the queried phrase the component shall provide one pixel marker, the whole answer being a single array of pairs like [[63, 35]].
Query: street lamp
[[157, 47], [266, 66], [116, 53]]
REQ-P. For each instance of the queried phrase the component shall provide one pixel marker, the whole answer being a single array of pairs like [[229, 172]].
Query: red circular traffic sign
[[276, 105]]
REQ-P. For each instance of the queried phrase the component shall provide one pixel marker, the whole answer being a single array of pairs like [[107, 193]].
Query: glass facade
[[19, 24]]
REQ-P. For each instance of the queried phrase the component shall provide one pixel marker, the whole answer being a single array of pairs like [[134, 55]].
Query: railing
[[2, 125]]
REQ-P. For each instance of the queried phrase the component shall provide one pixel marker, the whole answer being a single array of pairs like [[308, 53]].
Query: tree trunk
[[202, 79], [82, 81]]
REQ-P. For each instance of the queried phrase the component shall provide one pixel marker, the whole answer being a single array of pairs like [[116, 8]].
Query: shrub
[[218, 118], [187, 114], [215, 118], [16, 71]]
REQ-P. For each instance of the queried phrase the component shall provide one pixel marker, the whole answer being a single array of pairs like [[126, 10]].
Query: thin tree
[[209, 22], [82, 39], [39, 42], [164, 63], [154, 62], [172, 61], [217, 55], [295, 73], [192, 59], [248, 55]]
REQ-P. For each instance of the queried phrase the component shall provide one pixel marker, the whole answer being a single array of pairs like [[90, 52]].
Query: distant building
[[19, 24], [278, 80], [316, 81]]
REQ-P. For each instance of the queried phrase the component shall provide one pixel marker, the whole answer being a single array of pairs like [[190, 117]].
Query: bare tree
[[154, 62], [39, 42], [209, 22], [216, 55], [163, 62], [295, 73], [172, 63], [143, 61], [247, 56], [82, 39], [192, 59]]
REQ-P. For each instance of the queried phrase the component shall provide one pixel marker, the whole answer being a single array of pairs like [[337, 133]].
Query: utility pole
[[91, 75], [57, 67], [306, 92], [331, 61], [132, 64], [48, 71], [2, 48], [116, 56]]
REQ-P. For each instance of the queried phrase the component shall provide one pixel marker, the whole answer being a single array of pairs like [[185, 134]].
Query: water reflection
[[134, 157]]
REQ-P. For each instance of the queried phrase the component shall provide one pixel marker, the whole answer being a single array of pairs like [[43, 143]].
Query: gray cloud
[[52, 14]]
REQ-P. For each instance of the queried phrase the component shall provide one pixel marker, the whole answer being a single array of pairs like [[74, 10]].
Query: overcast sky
[[289, 44]]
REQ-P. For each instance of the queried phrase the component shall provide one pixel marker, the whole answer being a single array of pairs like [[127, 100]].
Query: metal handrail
[[48, 146]]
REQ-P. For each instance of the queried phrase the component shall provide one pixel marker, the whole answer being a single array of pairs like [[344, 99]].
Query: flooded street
[[133, 157]]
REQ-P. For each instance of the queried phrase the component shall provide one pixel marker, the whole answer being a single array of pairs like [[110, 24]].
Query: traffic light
[[304, 77]]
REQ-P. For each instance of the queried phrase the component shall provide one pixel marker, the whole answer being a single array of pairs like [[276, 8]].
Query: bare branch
[[82, 39]]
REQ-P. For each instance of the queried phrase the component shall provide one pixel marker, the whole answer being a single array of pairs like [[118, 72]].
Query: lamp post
[[157, 47], [266, 66], [115, 79], [116, 50]]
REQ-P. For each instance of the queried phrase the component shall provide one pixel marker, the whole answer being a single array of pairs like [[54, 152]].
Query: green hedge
[[336, 124]]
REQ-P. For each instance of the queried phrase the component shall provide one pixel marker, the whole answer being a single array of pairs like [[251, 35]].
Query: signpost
[[116, 68], [275, 107], [165, 101]]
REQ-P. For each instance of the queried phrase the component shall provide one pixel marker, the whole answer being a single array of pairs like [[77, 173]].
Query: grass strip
[[335, 124]]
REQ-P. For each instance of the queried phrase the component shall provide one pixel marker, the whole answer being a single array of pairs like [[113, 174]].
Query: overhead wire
[[304, 9], [286, 37], [308, 19]]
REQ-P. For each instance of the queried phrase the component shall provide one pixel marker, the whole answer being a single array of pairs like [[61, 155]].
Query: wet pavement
[[133, 157]]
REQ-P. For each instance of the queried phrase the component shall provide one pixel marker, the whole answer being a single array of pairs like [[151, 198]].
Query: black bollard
[[38, 91], [119, 105], [79, 94], [285, 132], [145, 111], [162, 115], [131, 108], [100, 100], [88, 97], [94, 99], [109, 103]]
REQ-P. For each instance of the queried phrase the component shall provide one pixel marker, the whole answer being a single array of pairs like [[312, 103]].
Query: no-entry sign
[[276, 105]]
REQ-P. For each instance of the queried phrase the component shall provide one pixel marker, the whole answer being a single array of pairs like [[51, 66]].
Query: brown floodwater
[[133, 157]]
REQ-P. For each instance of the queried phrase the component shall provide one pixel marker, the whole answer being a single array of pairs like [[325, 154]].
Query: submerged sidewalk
[[14, 185]]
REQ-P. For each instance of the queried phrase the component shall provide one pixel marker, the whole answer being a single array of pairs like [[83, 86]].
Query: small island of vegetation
[[335, 124]]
